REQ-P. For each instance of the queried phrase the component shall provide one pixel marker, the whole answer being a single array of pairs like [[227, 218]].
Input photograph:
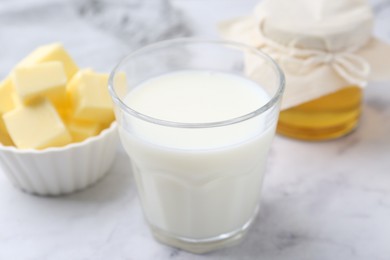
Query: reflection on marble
[[323, 201]]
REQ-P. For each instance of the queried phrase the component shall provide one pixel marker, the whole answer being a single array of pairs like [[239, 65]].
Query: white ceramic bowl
[[60, 170]]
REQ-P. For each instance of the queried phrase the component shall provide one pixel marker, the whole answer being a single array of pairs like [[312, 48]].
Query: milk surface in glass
[[198, 183]]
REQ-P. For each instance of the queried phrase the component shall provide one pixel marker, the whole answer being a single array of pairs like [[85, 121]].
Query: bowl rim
[[71, 146]]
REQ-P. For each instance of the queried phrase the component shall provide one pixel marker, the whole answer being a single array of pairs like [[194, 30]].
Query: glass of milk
[[197, 125]]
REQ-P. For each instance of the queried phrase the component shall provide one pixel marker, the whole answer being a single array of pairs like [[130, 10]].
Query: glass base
[[201, 246]]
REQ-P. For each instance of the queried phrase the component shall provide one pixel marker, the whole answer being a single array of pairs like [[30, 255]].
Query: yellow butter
[[46, 79], [36, 126], [64, 107], [5, 139], [76, 79], [6, 101], [46, 101], [51, 52], [90, 100], [6, 104], [17, 101], [81, 130]]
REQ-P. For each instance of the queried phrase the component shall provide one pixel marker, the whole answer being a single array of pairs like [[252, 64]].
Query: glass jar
[[328, 54]]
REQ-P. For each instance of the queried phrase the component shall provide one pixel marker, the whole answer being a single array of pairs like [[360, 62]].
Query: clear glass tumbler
[[199, 182]]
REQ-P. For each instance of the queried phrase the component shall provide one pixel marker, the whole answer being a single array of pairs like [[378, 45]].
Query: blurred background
[[100, 32]]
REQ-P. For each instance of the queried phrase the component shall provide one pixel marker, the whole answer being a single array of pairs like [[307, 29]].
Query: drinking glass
[[204, 193]]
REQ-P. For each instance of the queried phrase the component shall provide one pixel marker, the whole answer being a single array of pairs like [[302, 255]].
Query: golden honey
[[327, 117]]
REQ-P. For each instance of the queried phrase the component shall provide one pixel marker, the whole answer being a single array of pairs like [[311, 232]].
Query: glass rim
[[273, 100]]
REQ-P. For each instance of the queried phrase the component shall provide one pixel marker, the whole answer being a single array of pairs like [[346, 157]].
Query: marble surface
[[323, 201]]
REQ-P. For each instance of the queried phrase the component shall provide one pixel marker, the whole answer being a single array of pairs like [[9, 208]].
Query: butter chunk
[[5, 139], [81, 130], [17, 101], [51, 52], [45, 79], [36, 126], [7, 103], [90, 100], [76, 79], [6, 100]]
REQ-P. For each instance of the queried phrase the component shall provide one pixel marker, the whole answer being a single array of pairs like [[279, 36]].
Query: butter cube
[[5, 139], [90, 100], [17, 101], [6, 101], [51, 52], [36, 126], [76, 79], [6, 104], [46, 79], [81, 130]]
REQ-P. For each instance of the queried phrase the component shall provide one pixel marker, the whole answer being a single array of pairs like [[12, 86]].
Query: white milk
[[198, 183]]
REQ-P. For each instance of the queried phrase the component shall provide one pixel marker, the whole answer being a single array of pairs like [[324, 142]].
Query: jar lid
[[319, 24]]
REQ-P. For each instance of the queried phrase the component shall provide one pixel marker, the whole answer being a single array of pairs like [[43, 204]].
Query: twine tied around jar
[[349, 66]]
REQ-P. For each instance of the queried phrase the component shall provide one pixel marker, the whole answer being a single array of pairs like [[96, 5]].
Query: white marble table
[[322, 201]]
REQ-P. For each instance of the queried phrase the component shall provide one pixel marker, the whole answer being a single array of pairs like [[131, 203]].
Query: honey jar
[[328, 54]]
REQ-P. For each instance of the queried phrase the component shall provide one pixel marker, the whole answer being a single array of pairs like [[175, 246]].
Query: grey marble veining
[[128, 20], [322, 201]]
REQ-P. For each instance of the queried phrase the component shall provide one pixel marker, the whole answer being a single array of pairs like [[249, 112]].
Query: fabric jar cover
[[322, 46]]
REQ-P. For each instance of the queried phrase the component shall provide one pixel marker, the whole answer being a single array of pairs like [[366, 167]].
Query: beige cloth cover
[[321, 45]]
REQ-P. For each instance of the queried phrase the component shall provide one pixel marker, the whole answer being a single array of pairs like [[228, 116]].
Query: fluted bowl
[[60, 170]]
